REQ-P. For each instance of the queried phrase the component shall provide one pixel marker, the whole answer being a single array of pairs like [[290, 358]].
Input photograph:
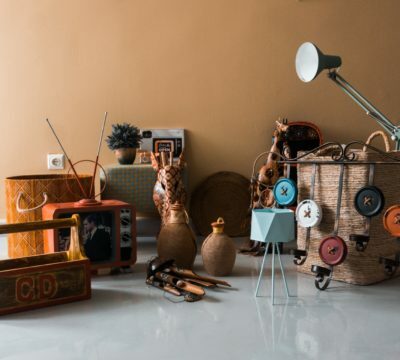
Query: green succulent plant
[[124, 136]]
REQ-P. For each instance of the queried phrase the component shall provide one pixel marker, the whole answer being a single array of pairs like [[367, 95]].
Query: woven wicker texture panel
[[360, 268], [132, 184], [32, 189], [223, 194]]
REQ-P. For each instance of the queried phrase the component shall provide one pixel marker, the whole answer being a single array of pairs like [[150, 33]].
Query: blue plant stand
[[272, 226]]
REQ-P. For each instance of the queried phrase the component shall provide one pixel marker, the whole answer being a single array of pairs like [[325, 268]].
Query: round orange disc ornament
[[391, 220]]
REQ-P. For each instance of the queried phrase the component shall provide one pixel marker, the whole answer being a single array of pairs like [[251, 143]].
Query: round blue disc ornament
[[285, 192]]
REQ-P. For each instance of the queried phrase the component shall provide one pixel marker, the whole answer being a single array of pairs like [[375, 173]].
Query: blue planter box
[[272, 225]]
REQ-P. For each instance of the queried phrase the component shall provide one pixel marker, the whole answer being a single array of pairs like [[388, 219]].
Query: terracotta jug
[[218, 251], [176, 239]]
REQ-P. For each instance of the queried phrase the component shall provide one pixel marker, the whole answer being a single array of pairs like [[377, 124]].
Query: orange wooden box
[[44, 280], [118, 219]]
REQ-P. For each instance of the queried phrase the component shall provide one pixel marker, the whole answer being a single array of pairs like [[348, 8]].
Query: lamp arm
[[387, 126], [370, 109], [382, 123], [360, 100], [357, 93]]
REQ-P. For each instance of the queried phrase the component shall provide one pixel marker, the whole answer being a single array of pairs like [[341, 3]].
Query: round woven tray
[[223, 194]]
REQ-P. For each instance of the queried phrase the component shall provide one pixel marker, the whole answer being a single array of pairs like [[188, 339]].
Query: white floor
[[127, 319]]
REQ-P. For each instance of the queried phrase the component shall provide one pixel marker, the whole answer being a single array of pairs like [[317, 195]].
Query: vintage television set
[[108, 231], [158, 140]]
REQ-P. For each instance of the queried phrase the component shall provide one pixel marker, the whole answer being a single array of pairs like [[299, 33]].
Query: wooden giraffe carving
[[261, 187], [269, 173], [169, 187]]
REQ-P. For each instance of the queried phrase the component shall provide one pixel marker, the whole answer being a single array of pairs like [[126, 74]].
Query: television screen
[[108, 232], [97, 232]]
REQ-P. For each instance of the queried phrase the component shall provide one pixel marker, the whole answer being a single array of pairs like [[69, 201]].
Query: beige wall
[[222, 69]]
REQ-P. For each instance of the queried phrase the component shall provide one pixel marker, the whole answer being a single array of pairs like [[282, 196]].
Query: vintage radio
[[158, 140], [108, 232]]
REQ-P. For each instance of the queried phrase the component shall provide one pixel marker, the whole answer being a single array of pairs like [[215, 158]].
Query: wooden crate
[[44, 280]]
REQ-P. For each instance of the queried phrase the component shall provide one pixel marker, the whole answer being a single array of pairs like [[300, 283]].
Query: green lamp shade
[[310, 61], [272, 225]]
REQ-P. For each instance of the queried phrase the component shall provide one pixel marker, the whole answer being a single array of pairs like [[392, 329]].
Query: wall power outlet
[[55, 161]]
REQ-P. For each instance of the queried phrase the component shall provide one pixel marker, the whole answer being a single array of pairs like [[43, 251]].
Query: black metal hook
[[349, 154], [320, 282], [337, 155], [300, 256], [390, 265], [360, 240]]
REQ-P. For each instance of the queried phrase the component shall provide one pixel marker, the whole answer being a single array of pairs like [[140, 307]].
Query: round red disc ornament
[[333, 250]]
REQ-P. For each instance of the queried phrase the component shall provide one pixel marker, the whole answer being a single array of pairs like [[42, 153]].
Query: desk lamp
[[310, 61]]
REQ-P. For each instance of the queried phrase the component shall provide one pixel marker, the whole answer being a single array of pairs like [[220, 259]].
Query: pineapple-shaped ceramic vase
[[176, 239], [218, 251]]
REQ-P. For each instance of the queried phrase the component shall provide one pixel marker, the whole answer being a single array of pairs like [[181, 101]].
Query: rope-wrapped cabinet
[[360, 267]]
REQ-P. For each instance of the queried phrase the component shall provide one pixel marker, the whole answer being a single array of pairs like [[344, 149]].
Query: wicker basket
[[360, 268], [25, 197], [224, 194]]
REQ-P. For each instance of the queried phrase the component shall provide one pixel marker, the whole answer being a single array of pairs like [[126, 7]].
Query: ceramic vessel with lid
[[218, 251]]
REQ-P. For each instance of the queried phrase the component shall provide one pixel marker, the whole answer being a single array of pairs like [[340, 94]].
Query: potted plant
[[124, 140]]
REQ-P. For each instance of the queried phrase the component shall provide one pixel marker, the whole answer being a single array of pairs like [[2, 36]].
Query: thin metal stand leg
[[262, 269], [273, 273], [283, 272]]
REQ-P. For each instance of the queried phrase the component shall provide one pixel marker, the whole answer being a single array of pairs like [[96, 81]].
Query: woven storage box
[[25, 197], [133, 184], [360, 268]]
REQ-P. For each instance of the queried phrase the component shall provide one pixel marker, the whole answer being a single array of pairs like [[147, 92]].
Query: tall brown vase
[[218, 251], [176, 239]]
